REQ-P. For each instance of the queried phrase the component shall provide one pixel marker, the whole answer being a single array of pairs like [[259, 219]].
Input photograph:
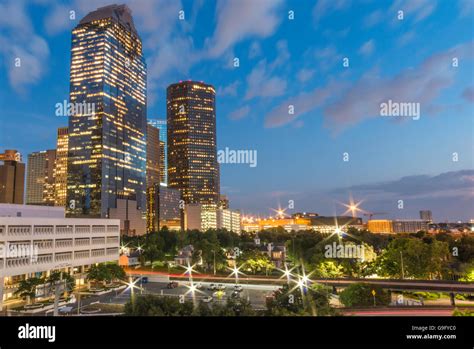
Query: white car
[[221, 287], [207, 299]]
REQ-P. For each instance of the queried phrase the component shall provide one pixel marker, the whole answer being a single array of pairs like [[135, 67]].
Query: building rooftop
[[119, 13]]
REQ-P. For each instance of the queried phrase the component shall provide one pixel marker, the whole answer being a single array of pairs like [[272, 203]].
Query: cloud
[[302, 104], [373, 18], [406, 38], [468, 94], [241, 19], [305, 74], [421, 84], [367, 48], [25, 53], [417, 10], [229, 90], [261, 82], [239, 113], [465, 7], [255, 50], [324, 7], [352, 103], [448, 183]]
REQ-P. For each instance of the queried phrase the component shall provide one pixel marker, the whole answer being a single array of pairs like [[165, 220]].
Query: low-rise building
[[35, 246], [380, 226]]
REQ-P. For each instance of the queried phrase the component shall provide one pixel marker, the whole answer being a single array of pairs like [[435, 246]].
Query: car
[[172, 284], [207, 299], [238, 288], [199, 286], [212, 287], [235, 294], [218, 294], [221, 287]]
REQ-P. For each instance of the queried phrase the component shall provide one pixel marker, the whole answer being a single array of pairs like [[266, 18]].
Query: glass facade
[[192, 153], [161, 125], [40, 178], [107, 147], [60, 168]]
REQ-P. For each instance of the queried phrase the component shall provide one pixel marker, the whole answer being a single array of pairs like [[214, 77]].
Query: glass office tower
[[107, 127], [192, 148], [161, 125]]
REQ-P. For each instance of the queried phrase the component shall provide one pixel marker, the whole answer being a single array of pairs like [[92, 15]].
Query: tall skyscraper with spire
[[107, 137], [192, 144]]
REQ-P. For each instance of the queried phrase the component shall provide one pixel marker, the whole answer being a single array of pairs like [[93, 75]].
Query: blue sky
[[285, 62]]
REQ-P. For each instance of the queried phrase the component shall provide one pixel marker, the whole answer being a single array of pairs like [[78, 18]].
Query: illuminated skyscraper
[[153, 155], [107, 138], [40, 178], [60, 169], [161, 125], [12, 178], [192, 154]]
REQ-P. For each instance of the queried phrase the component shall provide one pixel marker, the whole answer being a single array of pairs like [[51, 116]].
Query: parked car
[[235, 294], [238, 288], [172, 284], [199, 286], [221, 287], [212, 287], [207, 299]]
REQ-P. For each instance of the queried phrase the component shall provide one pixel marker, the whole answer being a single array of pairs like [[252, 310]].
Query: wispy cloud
[[241, 19], [24, 51], [367, 48]]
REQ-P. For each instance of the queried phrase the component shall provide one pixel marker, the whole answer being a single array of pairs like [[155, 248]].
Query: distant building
[[12, 178], [60, 169], [163, 208], [40, 181], [410, 226], [380, 226], [276, 253], [203, 217], [328, 224], [152, 156], [132, 220], [185, 256], [223, 201], [426, 215], [229, 220], [130, 260], [161, 126]]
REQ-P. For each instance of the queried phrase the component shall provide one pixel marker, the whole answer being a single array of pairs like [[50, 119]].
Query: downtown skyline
[[298, 159]]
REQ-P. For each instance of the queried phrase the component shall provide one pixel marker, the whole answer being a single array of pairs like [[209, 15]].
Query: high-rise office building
[[163, 208], [107, 137], [40, 180], [153, 153], [161, 125], [192, 154], [60, 169], [426, 215], [12, 178]]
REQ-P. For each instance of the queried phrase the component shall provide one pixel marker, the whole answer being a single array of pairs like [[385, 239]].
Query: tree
[[256, 262], [66, 279], [151, 305], [106, 273], [309, 301], [27, 289], [360, 294]]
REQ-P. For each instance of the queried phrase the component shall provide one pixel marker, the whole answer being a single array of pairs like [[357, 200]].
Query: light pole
[[214, 252], [401, 259]]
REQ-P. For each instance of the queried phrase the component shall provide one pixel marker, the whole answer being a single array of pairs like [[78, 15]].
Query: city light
[[353, 207]]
